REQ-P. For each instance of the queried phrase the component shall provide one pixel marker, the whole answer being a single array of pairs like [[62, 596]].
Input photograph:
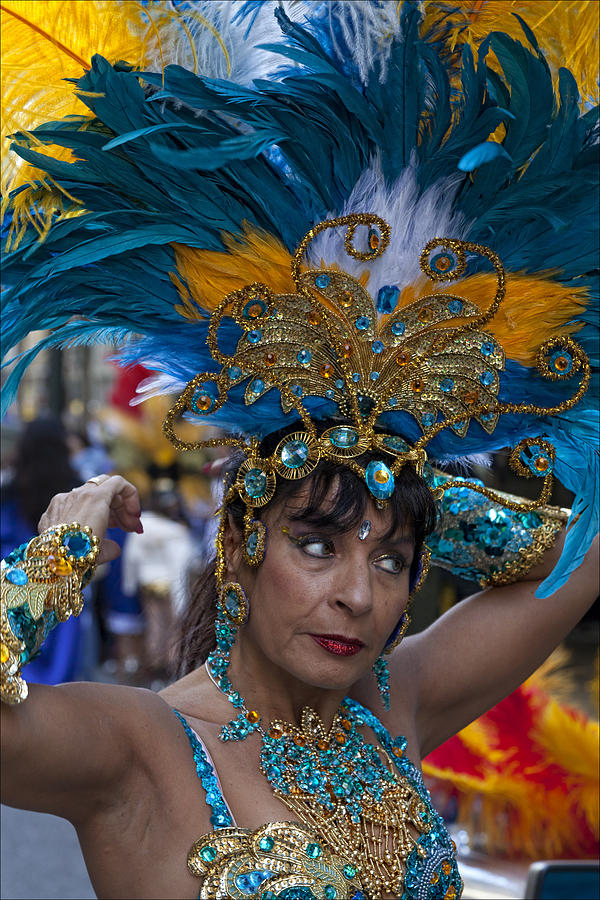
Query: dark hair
[[42, 467], [411, 504]]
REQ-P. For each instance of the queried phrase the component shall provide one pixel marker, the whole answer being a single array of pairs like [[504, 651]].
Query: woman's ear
[[232, 547]]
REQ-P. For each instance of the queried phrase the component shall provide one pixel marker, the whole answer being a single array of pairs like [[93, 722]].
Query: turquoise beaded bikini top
[[290, 861]]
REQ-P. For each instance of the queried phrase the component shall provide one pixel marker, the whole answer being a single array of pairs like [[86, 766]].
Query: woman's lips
[[338, 645]]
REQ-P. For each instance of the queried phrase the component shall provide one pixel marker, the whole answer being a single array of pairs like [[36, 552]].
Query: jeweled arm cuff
[[484, 541], [41, 584]]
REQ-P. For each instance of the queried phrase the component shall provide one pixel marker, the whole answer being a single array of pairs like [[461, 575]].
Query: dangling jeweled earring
[[380, 667], [233, 609]]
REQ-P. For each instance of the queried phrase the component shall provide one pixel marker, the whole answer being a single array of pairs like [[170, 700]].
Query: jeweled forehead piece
[[363, 360]]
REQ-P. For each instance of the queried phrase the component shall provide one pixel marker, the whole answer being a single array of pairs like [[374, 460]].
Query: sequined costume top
[[288, 861]]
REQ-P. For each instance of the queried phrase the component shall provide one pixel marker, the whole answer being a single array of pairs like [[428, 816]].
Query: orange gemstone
[[374, 241], [561, 363], [453, 845], [434, 878], [471, 397], [326, 370], [397, 751], [340, 738], [203, 401], [443, 263], [417, 385], [59, 565], [402, 358], [300, 740], [450, 893], [542, 464], [346, 350], [346, 724], [252, 716], [275, 732], [380, 476], [4, 653], [270, 359], [345, 299], [322, 745], [254, 311], [313, 318], [446, 867], [426, 314]]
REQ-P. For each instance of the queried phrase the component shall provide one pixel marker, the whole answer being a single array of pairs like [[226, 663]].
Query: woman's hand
[[108, 501]]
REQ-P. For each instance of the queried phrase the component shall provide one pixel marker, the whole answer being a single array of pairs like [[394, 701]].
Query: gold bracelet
[[41, 585]]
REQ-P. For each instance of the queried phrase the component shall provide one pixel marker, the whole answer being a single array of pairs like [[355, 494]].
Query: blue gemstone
[[252, 543], [487, 348], [257, 386], [446, 385], [396, 443], [455, 307], [428, 419], [387, 298], [219, 820], [379, 480], [208, 853], [349, 871], [235, 372], [266, 842], [77, 543], [339, 384], [232, 603], [329, 892], [255, 336], [362, 323], [487, 417], [377, 346], [294, 454], [255, 482], [392, 401], [398, 328], [313, 851], [322, 280], [297, 390], [343, 436], [356, 377], [486, 378], [330, 394], [304, 357], [17, 576]]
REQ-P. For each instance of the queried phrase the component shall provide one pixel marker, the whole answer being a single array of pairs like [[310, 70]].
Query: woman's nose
[[353, 589]]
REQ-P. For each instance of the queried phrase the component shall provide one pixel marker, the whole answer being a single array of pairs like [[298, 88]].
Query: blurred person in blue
[[41, 468]]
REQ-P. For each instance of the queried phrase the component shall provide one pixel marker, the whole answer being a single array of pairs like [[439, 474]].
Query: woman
[[322, 605], [235, 222]]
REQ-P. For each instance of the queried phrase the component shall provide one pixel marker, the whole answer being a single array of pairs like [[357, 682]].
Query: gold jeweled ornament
[[431, 359]]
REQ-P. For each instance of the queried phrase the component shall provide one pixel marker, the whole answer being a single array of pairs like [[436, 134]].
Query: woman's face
[[323, 603]]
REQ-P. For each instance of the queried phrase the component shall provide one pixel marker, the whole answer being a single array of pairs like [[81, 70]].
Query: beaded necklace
[[348, 792]]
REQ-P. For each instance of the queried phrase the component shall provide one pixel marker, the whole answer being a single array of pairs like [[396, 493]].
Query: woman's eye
[[316, 547], [392, 564]]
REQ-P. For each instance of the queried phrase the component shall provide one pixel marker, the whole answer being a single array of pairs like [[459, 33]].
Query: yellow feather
[[533, 310], [567, 32], [209, 275]]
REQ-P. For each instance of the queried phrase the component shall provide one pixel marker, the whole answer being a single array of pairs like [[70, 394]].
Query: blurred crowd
[[128, 624]]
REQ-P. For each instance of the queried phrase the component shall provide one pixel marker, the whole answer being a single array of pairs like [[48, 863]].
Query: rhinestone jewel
[[486, 378], [77, 543], [294, 454], [343, 437], [252, 542], [387, 298], [255, 336], [17, 576], [487, 348], [232, 604], [446, 385], [364, 530], [304, 357], [455, 307], [255, 483], [398, 328], [396, 443], [377, 347], [322, 280], [362, 323], [379, 480]]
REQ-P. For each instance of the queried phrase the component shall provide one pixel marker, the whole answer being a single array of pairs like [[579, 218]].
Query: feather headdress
[[220, 151]]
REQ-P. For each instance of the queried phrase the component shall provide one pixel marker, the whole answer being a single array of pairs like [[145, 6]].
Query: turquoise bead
[[313, 850]]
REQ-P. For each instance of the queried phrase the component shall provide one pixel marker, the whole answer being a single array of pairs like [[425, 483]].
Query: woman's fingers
[[109, 550], [102, 502]]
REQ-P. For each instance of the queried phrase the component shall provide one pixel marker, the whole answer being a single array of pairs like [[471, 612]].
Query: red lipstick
[[337, 644]]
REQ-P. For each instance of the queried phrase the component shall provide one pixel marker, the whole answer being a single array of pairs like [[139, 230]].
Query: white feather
[[156, 386], [414, 218], [226, 42]]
